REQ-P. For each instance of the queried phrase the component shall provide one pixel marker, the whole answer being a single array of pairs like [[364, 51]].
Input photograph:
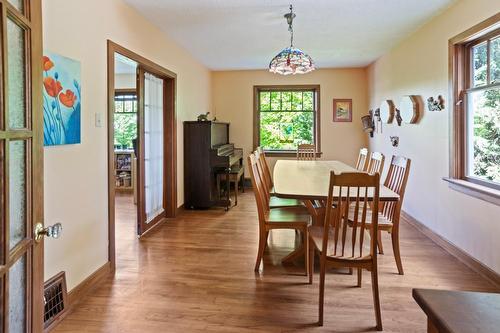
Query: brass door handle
[[53, 231]]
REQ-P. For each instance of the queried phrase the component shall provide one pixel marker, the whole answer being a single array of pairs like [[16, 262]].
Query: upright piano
[[207, 151]]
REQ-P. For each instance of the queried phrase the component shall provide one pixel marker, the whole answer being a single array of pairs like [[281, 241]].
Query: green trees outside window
[[484, 112], [286, 118], [125, 122]]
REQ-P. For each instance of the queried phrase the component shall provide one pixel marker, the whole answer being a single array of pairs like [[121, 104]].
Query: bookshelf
[[125, 170]]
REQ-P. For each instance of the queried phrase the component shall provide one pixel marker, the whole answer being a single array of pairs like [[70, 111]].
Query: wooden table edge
[[436, 321]]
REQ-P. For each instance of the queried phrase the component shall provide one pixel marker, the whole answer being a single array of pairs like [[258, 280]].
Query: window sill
[[478, 191], [271, 153]]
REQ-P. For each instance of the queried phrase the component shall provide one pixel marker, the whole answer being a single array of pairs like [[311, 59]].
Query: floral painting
[[61, 100]]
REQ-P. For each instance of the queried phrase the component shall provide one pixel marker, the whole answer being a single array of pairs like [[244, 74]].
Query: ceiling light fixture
[[291, 60]]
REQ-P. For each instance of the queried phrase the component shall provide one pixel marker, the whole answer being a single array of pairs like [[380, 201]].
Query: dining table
[[308, 181]]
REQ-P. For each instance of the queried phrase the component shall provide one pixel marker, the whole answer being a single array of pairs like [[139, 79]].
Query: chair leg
[[306, 252], [360, 276], [236, 193], [262, 246], [311, 263], [379, 243], [218, 186], [376, 299], [265, 243], [322, 272], [395, 248]]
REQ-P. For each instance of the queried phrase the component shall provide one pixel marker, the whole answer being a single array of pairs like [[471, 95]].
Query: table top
[[310, 180], [460, 311]]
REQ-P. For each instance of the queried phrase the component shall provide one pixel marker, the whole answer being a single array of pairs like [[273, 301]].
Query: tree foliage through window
[[125, 122], [286, 118], [484, 112]]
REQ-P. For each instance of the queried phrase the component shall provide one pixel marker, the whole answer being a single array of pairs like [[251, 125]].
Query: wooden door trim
[[170, 136]]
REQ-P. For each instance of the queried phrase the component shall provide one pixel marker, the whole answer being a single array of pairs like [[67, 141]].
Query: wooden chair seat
[[288, 215], [316, 236], [275, 202]]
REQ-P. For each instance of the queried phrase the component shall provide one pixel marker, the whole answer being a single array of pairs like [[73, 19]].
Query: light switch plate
[[98, 120]]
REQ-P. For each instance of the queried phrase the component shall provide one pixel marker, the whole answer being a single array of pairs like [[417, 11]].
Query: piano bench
[[235, 177]]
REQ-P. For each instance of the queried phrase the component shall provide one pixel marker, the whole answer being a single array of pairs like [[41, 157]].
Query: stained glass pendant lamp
[[291, 60]]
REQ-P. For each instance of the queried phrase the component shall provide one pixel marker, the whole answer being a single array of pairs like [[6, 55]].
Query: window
[[475, 75], [125, 119], [286, 116], [482, 105]]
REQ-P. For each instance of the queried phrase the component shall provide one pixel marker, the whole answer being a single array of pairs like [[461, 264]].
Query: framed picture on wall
[[342, 110]]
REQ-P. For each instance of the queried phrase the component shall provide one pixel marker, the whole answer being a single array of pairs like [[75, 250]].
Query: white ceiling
[[246, 34]]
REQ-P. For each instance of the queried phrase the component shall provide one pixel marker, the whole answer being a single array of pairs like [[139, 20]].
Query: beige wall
[[76, 175], [233, 102], [419, 66]]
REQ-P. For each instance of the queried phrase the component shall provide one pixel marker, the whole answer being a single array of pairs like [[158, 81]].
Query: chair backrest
[[362, 158], [396, 180], [345, 190], [258, 188], [259, 153], [376, 163], [261, 171], [306, 152]]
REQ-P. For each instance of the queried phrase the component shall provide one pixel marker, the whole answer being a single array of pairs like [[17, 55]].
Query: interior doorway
[[141, 145], [125, 139]]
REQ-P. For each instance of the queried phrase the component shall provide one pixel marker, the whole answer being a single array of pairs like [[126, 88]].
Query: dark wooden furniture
[[459, 311], [235, 177], [207, 152]]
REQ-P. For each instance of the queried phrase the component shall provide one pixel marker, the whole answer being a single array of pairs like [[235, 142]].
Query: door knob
[[53, 231]]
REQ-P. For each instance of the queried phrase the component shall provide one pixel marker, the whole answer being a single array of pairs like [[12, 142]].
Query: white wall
[[419, 66], [233, 102], [76, 175]]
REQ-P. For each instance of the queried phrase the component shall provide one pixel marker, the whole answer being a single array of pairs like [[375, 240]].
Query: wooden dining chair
[[306, 152], [274, 202], [277, 218], [362, 159], [342, 244], [375, 163], [390, 211]]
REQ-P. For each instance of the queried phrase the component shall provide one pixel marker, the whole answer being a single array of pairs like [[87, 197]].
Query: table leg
[[317, 213], [297, 253], [228, 188], [431, 328]]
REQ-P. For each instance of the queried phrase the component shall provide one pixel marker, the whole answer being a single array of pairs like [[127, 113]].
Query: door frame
[[170, 137]]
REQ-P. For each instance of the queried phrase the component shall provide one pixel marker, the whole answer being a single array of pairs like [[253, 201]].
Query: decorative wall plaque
[[387, 111], [409, 109]]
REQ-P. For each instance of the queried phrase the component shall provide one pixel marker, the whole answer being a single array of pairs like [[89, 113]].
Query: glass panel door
[[151, 150], [21, 159], [153, 146]]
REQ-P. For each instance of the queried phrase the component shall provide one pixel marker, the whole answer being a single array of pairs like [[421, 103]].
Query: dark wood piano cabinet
[[207, 151]]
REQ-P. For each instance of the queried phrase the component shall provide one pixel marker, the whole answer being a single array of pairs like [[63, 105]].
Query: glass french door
[[21, 162], [151, 203]]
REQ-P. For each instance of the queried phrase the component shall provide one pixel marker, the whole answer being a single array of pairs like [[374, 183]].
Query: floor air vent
[[56, 299]]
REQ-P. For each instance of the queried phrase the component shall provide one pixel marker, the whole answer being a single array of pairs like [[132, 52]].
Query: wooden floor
[[195, 274]]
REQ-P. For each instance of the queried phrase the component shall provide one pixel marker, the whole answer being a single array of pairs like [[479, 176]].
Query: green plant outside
[[286, 119], [485, 105]]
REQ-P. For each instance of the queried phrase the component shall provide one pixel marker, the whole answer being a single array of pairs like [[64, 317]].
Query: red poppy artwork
[[61, 100]]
